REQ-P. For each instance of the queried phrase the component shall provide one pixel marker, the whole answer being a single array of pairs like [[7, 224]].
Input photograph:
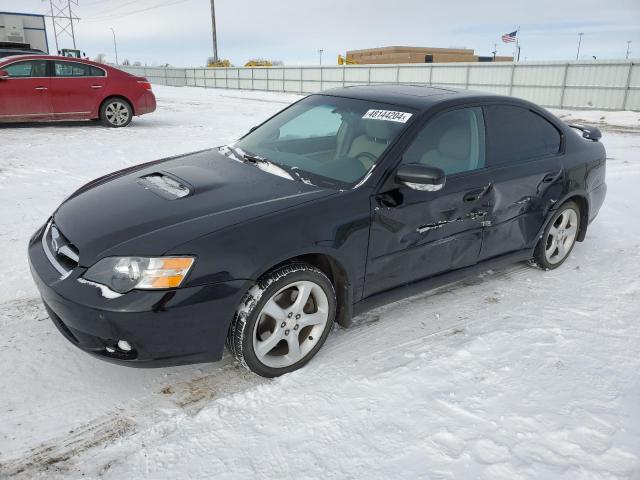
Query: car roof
[[29, 56], [412, 96]]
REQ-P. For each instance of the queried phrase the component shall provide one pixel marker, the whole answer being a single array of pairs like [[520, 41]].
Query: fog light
[[124, 345]]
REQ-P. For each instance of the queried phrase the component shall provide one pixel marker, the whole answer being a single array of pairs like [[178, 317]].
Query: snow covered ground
[[513, 374]]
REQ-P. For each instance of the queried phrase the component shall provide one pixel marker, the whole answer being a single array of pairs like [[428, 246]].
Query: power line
[[111, 8], [133, 12]]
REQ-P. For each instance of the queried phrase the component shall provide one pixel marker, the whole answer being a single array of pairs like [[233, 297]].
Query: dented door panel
[[417, 234], [523, 195]]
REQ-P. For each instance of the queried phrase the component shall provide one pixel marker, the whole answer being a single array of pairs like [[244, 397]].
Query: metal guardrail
[[592, 84]]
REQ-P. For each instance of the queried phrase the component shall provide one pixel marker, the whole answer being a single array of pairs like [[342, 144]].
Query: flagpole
[[518, 43]]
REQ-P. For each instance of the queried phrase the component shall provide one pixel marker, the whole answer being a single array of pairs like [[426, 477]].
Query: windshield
[[327, 140]]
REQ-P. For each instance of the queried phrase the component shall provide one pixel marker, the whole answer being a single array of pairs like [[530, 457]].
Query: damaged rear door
[[524, 156], [417, 234]]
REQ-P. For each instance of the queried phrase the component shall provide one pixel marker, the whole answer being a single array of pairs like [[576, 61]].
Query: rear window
[[516, 134]]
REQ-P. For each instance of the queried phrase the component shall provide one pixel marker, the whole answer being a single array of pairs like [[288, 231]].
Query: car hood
[[152, 208]]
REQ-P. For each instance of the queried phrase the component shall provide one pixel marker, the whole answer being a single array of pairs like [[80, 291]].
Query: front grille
[[62, 254]]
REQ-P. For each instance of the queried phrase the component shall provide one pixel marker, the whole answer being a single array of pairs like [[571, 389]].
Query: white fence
[[594, 84]]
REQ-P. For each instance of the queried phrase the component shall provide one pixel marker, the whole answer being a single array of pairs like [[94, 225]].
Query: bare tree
[[126, 62]]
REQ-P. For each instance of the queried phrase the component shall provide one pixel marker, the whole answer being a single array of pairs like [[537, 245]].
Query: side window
[[32, 68], [97, 72], [71, 69], [453, 141], [516, 134], [320, 121]]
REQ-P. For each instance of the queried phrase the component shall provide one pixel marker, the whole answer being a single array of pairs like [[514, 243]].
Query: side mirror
[[421, 177], [4, 75]]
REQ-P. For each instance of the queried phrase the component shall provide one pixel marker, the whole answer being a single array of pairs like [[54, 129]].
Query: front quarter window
[[328, 140]]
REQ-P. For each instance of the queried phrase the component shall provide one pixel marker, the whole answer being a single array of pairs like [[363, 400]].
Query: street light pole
[[115, 45], [579, 42], [320, 52], [628, 49], [213, 31]]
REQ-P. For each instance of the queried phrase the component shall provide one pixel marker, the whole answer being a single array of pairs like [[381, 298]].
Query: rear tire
[[275, 330], [559, 237], [116, 112]]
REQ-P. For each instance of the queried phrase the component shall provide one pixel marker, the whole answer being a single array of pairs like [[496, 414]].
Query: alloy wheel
[[290, 324], [561, 236], [117, 113]]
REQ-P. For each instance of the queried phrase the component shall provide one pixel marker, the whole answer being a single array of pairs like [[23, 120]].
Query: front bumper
[[171, 327]]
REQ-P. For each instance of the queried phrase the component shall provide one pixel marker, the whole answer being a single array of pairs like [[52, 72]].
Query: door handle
[[475, 195], [41, 88], [96, 86], [551, 177]]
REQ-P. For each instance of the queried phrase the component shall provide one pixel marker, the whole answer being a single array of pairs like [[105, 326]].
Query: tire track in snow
[[170, 400]]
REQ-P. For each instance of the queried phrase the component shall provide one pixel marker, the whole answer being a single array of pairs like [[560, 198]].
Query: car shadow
[[52, 124]]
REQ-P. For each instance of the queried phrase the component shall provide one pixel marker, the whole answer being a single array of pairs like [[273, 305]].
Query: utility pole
[[115, 45], [579, 43], [62, 16], [320, 52], [213, 31], [628, 49]]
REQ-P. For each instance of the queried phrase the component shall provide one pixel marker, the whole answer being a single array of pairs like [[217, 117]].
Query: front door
[[418, 234], [24, 95], [76, 89]]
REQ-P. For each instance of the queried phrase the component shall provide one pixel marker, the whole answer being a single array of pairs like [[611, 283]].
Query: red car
[[40, 87]]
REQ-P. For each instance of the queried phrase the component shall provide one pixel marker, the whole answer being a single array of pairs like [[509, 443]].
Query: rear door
[[25, 95], [524, 156], [76, 89], [417, 234]]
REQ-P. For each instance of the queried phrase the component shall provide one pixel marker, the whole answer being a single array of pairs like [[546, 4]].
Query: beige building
[[418, 55]]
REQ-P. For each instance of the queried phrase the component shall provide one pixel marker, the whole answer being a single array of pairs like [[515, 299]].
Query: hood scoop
[[165, 185]]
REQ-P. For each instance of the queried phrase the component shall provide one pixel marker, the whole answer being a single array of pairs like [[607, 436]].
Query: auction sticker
[[388, 115]]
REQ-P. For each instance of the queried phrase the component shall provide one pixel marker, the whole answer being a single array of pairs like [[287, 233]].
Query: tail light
[[145, 84]]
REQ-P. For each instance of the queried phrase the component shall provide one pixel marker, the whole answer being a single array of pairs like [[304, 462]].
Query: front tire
[[283, 320], [559, 237], [116, 113]]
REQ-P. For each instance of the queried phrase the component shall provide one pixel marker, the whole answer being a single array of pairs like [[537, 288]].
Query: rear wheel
[[283, 320], [116, 112], [559, 237]]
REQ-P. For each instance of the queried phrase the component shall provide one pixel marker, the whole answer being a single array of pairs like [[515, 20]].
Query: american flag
[[510, 37]]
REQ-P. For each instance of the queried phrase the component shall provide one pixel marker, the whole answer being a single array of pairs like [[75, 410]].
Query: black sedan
[[343, 201]]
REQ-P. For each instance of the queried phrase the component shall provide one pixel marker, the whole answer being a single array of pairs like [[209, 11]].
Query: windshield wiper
[[267, 165], [255, 159]]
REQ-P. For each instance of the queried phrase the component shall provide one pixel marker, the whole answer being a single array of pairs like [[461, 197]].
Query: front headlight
[[123, 274]]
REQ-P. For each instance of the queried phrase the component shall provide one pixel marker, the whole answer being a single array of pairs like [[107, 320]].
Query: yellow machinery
[[258, 62], [346, 61], [219, 63]]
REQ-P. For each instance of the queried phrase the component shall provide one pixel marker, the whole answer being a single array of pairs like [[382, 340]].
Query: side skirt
[[421, 286]]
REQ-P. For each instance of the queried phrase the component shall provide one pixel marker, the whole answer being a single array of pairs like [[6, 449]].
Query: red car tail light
[[145, 84]]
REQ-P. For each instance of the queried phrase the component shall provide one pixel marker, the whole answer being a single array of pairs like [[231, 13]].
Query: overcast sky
[[179, 31]]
